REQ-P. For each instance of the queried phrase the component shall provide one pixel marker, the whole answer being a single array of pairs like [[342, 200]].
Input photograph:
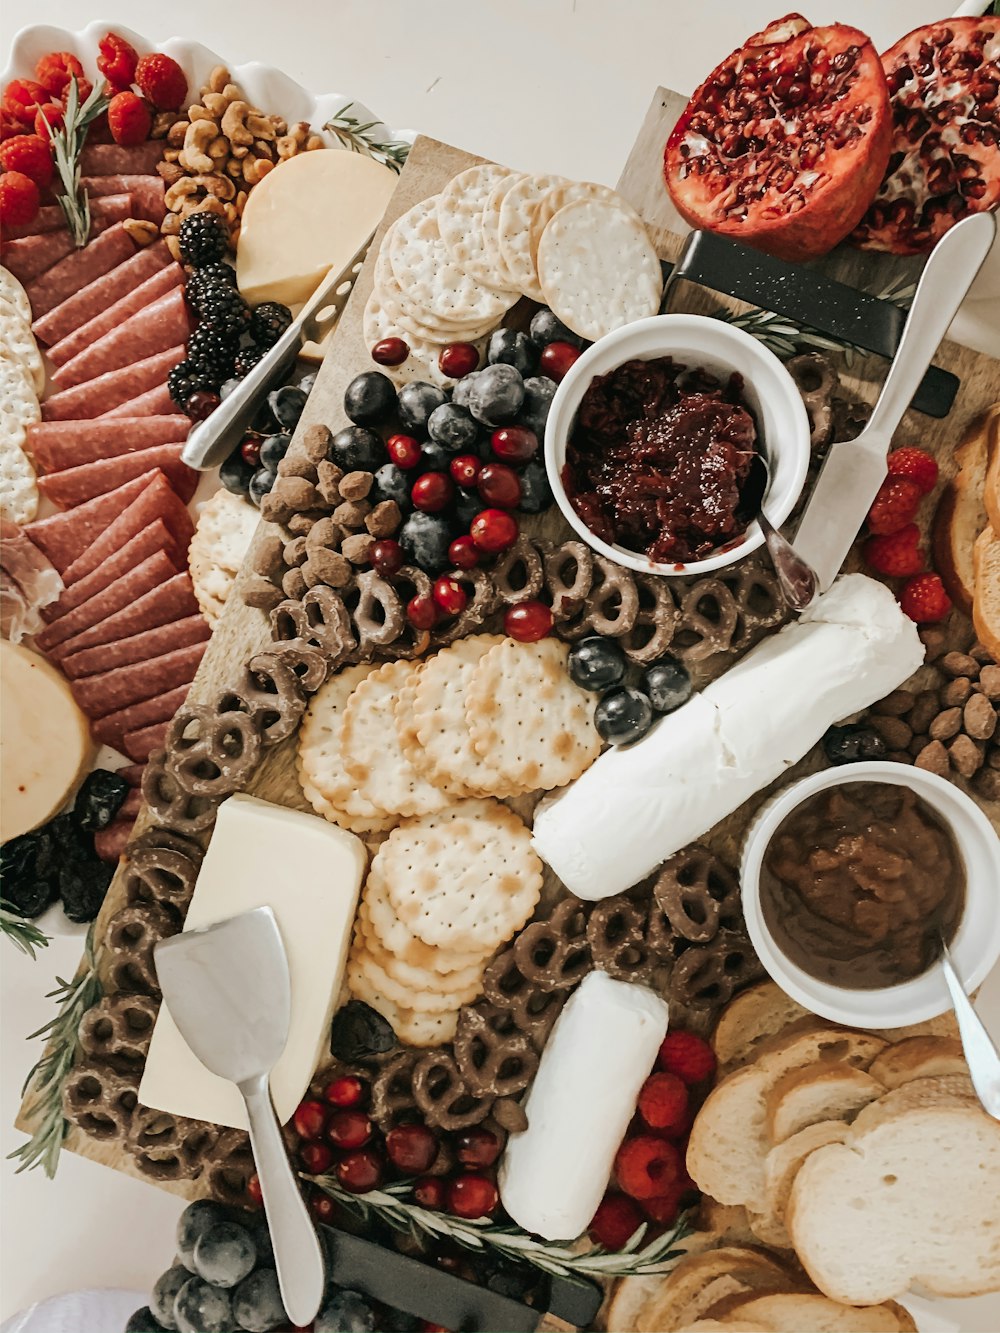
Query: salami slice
[[154, 402], [112, 206], [169, 601], [150, 573], [50, 217], [109, 159], [139, 648], [110, 729], [89, 334], [155, 501], [97, 295], [146, 191], [139, 745], [116, 689], [131, 773], [154, 538], [110, 842], [77, 485], [55, 445], [62, 537], [156, 328], [86, 401], [30, 256], [96, 258]]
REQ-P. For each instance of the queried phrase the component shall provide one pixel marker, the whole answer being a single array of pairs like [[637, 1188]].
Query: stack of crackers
[[225, 528], [22, 379]]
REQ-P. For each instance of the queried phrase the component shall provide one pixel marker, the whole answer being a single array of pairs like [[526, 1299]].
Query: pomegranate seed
[[527, 621], [360, 1171], [323, 1208], [514, 444], [477, 1147], [494, 530], [557, 358], [411, 1148], [316, 1158], [432, 492], [348, 1090], [201, 404], [422, 612], [349, 1129], [458, 359], [387, 557], [404, 451], [390, 352], [465, 469], [472, 1195], [250, 449], [254, 1190], [310, 1120], [499, 485], [463, 554], [449, 595], [429, 1192]]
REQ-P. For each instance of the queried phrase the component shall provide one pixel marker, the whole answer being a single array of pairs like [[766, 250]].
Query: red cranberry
[[429, 1192], [472, 1195], [360, 1171], [254, 1190], [463, 554], [404, 451], [201, 404], [323, 1208], [458, 359], [387, 557], [316, 1158], [390, 352], [425, 1327], [465, 469], [250, 449], [616, 1221], [477, 1147], [348, 1090], [449, 595], [514, 444], [432, 492], [499, 485], [411, 1148], [494, 530], [557, 358], [422, 612], [349, 1129], [310, 1120], [527, 621]]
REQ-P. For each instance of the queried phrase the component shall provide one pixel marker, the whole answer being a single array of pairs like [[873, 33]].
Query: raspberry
[[117, 60], [55, 70], [48, 119], [129, 119], [647, 1166], [687, 1056], [11, 125], [615, 1223], [29, 154], [915, 465], [896, 555], [18, 198], [663, 1208], [22, 98], [894, 506], [663, 1104], [925, 600], [161, 81]]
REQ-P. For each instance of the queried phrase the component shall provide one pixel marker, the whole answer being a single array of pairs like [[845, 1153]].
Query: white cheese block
[[553, 1175], [309, 873], [308, 215], [636, 806], [44, 741]]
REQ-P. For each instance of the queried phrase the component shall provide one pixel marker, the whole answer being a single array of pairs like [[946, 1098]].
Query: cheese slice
[[309, 873], [308, 215], [44, 741]]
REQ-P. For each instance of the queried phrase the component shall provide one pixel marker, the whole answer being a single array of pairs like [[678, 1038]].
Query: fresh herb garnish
[[67, 145], [358, 137], [26, 936]]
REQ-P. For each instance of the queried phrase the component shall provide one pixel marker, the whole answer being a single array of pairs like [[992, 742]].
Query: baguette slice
[[961, 511], [727, 1221], [918, 1057], [991, 487], [986, 601], [722, 1326], [817, 1092], [758, 1012], [790, 1312], [920, 1093], [781, 1166], [698, 1280]]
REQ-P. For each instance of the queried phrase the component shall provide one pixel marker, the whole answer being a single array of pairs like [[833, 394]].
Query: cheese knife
[[854, 469]]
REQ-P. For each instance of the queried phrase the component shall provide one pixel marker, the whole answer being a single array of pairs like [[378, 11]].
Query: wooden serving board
[[243, 631]]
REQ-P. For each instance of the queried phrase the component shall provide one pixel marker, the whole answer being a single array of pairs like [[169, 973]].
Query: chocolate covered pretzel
[[117, 1030], [100, 1099], [211, 753], [493, 1057], [698, 895], [616, 932], [168, 1147], [442, 1095]]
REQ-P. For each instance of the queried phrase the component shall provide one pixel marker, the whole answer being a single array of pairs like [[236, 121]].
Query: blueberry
[[261, 1236], [596, 664], [287, 405], [196, 1219], [308, 382], [623, 716], [224, 1254], [273, 450], [511, 348], [463, 389], [359, 1032], [425, 539], [539, 391], [99, 799], [467, 505], [850, 744], [392, 483], [257, 1305], [369, 397], [433, 457], [536, 493], [202, 1308], [416, 403], [452, 428], [260, 484], [82, 888], [345, 1312], [236, 473], [357, 450], [143, 1321], [497, 395], [668, 684], [165, 1293], [545, 328]]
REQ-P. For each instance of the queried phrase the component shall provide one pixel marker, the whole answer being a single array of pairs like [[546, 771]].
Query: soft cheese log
[[553, 1175], [309, 873], [634, 807]]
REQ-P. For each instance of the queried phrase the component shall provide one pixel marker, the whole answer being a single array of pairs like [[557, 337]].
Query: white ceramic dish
[[976, 947], [694, 341]]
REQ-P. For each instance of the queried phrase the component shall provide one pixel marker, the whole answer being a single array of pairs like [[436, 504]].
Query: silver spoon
[[797, 578], [980, 1052]]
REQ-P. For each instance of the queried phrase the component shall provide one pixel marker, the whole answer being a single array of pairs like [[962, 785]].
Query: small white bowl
[[976, 946], [695, 341]]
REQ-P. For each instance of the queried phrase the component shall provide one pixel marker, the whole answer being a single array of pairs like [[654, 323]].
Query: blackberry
[[224, 305], [207, 279], [212, 347], [268, 322], [246, 359], [204, 238], [186, 378]]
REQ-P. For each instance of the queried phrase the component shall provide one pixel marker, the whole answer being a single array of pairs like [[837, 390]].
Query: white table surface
[[558, 85]]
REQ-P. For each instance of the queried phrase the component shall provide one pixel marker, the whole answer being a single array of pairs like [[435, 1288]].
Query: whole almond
[[946, 724], [294, 552], [960, 664], [384, 519], [261, 593], [315, 441], [956, 692], [987, 784], [329, 567], [925, 709], [895, 704], [934, 759], [966, 756], [980, 718], [989, 681], [268, 558], [357, 548], [293, 583], [894, 731], [356, 485]]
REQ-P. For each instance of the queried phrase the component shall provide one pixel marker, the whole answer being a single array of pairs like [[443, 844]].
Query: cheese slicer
[[228, 990]]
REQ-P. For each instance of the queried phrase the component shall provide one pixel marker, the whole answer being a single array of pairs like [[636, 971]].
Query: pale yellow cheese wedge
[[44, 741]]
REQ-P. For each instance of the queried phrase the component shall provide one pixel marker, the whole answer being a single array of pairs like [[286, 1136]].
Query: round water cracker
[[402, 716], [460, 217], [18, 491], [598, 268], [12, 291], [491, 263], [422, 363], [225, 528], [468, 883], [525, 713], [517, 209], [411, 1028], [417, 321], [398, 939], [411, 974], [421, 999], [320, 756], [17, 343], [561, 194], [18, 399], [371, 751]]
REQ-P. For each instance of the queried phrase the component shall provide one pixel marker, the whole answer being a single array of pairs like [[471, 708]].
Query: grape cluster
[[252, 468]]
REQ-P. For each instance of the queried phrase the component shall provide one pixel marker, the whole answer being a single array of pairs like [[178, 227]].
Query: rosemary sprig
[[47, 1077], [358, 137], [22, 933], [67, 144], [392, 1207]]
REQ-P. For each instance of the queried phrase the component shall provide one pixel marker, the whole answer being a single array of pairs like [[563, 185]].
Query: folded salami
[[139, 648], [136, 582], [153, 538], [154, 403], [103, 214], [166, 602], [155, 328], [156, 500], [110, 842], [116, 689], [56, 445], [64, 536], [139, 745], [86, 401], [98, 294], [97, 257], [111, 728], [49, 217], [89, 334], [146, 191], [110, 159], [30, 256], [76, 485]]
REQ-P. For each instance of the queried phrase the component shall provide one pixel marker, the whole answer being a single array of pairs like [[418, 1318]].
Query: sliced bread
[[630, 1294], [961, 512], [722, 1326], [944, 1090], [918, 1057], [986, 602], [698, 1280], [780, 1169], [792, 1312], [817, 1092], [991, 485], [727, 1221], [756, 1013]]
